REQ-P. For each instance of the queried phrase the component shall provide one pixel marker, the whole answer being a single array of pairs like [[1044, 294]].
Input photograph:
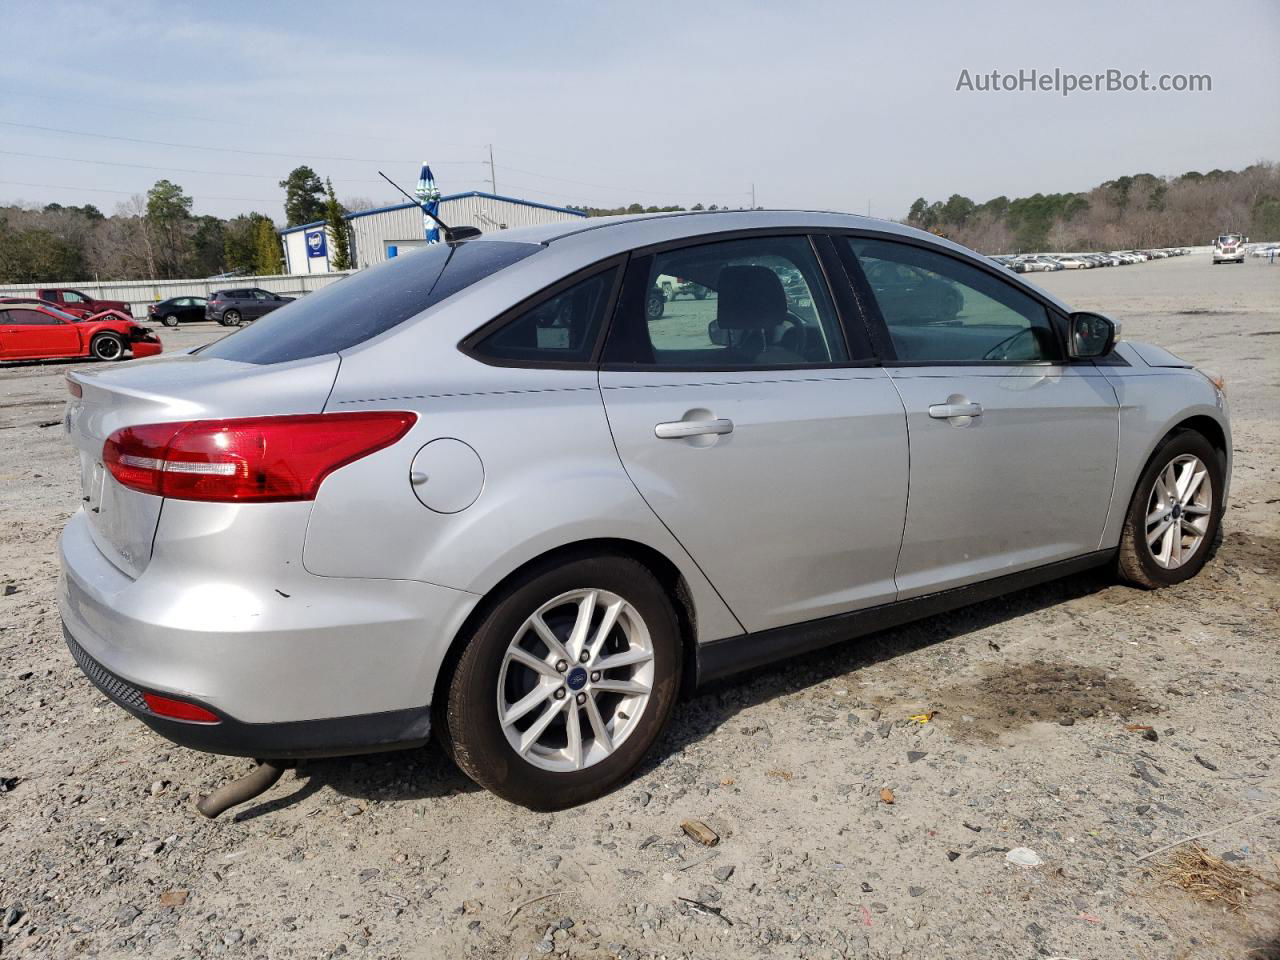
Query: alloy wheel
[[1178, 511], [108, 348], [575, 680]]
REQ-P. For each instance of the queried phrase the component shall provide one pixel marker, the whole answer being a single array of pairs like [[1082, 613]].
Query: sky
[[838, 106]]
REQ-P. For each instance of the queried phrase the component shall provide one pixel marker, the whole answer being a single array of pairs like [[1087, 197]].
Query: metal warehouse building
[[377, 235]]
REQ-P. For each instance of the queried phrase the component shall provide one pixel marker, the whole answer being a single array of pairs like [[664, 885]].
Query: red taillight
[[254, 459], [179, 709]]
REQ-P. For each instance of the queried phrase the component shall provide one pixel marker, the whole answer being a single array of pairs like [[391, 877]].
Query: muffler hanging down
[[258, 781]]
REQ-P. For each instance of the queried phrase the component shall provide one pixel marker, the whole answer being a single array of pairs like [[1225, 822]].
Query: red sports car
[[34, 330]]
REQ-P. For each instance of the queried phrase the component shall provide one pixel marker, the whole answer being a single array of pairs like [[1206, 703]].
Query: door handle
[[945, 411], [680, 429]]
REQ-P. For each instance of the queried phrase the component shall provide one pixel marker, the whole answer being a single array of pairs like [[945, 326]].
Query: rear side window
[[358, 308], [562, 328]]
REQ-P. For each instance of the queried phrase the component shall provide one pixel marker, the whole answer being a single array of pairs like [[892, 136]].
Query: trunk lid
[[177, 387]]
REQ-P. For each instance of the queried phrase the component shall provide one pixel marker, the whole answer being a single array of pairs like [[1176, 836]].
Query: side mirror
[[1091, 336]]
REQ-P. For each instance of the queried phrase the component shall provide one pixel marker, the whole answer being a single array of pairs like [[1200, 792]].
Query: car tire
[[107, 346], [655, 306], [231, 318], [506, 664], [1168, 536], [170, 321]]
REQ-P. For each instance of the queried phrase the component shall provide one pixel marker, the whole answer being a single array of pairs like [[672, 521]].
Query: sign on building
[[317, 244]]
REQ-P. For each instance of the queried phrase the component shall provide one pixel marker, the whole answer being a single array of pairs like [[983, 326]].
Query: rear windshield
[[361, 306]]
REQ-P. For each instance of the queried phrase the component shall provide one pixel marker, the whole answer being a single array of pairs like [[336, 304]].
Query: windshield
[[352, 310]]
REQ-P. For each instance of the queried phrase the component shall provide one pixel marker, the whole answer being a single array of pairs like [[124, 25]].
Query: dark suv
[[231, 307]]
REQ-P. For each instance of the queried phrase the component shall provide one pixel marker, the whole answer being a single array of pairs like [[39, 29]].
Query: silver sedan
[[483, 491]]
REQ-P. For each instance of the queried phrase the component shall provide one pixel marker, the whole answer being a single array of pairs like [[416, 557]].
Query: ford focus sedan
[[482, 492]]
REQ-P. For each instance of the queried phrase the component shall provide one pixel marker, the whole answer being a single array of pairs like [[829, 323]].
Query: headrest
[[750, 298]]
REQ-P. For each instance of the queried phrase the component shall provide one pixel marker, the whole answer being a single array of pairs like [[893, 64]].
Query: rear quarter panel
[[552, 477]]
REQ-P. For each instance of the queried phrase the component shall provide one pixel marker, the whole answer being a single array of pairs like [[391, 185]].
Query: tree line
[[1130, 212], [156, 236]]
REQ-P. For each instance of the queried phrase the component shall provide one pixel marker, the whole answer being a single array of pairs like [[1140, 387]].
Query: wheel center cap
[[1177, 511], [576, 678]]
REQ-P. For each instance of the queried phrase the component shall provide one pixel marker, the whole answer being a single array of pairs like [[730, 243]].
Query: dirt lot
[[101, 853]]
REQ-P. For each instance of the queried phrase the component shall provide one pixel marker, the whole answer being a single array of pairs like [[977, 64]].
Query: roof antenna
[[451, 234]]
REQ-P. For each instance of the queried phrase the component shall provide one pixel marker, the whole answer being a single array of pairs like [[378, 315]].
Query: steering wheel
[[801, 330], [1005, 349]]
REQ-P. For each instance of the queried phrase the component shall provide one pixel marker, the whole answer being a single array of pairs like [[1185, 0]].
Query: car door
[[1013, 448], [7, 336], [263, 302], [33, 333], [242, 302], [770, 445]]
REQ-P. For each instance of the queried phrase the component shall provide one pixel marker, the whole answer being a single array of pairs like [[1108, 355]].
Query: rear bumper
[[293, 664], [368, 733]]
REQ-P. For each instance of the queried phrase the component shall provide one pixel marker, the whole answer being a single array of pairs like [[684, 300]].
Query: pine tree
[[267, 250], [340, 255], [303, 196]]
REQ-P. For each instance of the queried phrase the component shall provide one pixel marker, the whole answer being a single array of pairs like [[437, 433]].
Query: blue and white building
[[377, 235]]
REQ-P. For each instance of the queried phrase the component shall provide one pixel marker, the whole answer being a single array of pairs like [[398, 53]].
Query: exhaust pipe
[[258, 781]]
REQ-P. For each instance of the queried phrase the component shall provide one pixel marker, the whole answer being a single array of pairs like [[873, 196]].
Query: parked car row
[[1043, 262], [31, 329], [228, 307]]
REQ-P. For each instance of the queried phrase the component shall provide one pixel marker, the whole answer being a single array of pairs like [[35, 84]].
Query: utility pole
[[493, 180], [753, 196]]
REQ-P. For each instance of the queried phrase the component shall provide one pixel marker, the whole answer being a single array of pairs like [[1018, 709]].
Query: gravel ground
[[101, 853]]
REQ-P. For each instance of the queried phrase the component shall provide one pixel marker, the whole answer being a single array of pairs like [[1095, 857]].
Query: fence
[[139, 293]]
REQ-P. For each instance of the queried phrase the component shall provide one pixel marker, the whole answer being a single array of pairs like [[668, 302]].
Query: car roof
[[683, 223]]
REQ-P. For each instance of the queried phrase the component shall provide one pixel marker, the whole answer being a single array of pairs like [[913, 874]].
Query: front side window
[[561, 329], [32, 318], [71, 296], [263, 295], [759, 302], [939, 309]]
